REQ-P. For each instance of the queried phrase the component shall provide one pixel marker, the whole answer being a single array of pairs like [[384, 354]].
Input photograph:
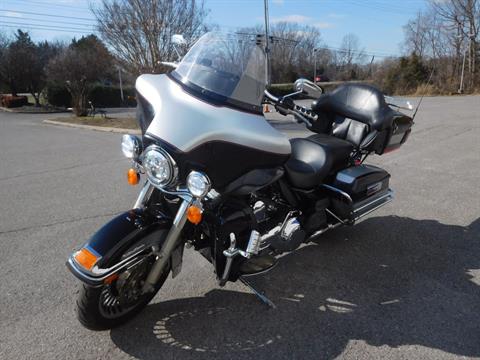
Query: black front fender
[[123, 231], [117, 236]]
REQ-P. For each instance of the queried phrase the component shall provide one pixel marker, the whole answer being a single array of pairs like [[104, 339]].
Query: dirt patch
[[111, 122]]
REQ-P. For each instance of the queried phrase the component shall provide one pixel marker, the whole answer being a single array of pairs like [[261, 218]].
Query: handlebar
[[271, 96], [286, 106]]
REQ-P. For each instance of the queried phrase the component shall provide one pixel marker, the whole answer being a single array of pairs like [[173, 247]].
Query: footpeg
[[253, 243], [253, 248]]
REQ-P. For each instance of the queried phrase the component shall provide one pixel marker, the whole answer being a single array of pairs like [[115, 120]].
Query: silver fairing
[[187, 122]]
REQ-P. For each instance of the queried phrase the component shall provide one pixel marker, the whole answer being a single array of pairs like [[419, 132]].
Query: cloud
[[278, 2], [12, 14], [336, 16], [323, 25], [301, 19], [291, 19]]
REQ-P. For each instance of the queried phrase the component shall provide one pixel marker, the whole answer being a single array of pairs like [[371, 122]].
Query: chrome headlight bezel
[[198, 184], [170, 163]]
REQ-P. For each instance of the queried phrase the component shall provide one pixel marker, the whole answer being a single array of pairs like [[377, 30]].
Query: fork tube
[[168, 246], [144, 196]]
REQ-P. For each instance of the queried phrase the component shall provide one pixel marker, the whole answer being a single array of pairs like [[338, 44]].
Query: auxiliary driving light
[[131, 146], [198, 184]]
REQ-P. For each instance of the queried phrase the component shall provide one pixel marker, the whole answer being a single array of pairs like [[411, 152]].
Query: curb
[[95, 128], [4, 109]]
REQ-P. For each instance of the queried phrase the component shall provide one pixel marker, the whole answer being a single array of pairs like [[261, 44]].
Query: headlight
[[131, 146], [159, 166], [198, 184]]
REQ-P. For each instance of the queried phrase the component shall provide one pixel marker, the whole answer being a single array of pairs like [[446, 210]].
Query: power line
[[59, 30], [382, 7], [46, 4], [50, 26], [357, 52], [42, 20], [40, 14]]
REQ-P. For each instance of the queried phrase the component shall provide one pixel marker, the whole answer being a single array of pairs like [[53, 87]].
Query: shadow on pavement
[[387, 281]]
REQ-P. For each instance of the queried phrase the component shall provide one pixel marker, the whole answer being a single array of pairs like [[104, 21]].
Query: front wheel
[[105, 307]]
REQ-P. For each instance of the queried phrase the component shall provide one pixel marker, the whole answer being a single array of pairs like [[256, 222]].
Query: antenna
[[423, 95], [267, 48]]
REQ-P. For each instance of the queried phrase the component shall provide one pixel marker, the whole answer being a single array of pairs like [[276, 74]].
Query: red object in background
[[322, 78], [10, 101]]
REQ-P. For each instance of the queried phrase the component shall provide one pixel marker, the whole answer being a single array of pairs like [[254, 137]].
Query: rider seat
[[315, 157]]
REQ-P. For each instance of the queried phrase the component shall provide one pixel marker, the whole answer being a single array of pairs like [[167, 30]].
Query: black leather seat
[[315, 157], [360, 102]]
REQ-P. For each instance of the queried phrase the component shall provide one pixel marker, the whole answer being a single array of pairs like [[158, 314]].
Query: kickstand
[[262, 297]]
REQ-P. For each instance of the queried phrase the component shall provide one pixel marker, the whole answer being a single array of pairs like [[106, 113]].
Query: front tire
[[98, 308]]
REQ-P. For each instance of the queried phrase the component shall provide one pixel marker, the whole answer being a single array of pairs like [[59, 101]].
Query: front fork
[[171, 241]]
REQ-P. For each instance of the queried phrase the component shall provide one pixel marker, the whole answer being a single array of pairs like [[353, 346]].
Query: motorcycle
[[221, 180]]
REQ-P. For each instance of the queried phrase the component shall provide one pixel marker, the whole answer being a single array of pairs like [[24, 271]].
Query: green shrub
[[58, 95], [109, 96], [99, 95]]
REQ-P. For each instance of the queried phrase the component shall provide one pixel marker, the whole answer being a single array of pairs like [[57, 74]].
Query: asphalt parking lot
[[404, 283]]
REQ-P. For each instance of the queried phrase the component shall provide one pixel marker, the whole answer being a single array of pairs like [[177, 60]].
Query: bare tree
[[139, 32], [416, 35], [462, 17], [292, 51], [349, 56]]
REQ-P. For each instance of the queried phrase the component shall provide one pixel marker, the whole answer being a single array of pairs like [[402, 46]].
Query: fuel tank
[[222, 141]]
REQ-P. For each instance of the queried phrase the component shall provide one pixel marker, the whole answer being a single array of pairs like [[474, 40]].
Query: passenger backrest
[[359, 102], [350, 130]]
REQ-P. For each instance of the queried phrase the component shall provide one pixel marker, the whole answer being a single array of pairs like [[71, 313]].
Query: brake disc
[[130, 282]]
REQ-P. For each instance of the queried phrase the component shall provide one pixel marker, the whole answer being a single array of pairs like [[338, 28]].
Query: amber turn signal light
[[194, 214], [85, 258], [133, 177]]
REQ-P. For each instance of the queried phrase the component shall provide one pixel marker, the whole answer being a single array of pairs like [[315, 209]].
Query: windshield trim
[[212, 97]]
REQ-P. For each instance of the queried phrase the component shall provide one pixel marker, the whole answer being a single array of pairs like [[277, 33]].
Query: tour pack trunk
[[359, 190]]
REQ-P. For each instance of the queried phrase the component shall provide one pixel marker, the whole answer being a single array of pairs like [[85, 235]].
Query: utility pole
[[121, 85], [470, 36], [315, 65], [371, 62], [267, 41], [460, 89]]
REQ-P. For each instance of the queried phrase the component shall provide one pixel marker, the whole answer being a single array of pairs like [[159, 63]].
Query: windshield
[[227, 68]]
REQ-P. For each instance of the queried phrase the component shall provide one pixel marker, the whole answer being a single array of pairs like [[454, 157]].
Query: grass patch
[[113, 122]]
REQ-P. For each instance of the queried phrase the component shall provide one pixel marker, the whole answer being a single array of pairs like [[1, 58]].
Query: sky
[[377, 23]]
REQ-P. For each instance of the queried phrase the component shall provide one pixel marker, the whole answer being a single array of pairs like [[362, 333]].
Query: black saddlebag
[[358, 190]]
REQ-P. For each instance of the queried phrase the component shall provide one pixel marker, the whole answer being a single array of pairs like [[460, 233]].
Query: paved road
[[404, 283]]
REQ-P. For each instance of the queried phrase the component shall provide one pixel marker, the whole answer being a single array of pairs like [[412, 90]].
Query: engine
[[280, 231]]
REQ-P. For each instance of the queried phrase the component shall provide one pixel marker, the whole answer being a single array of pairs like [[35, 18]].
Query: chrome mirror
[[308, 88]]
